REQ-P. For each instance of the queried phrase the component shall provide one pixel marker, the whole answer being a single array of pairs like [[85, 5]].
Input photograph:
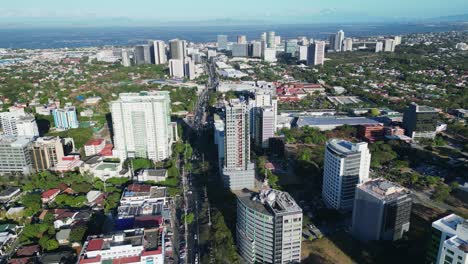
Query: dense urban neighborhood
[[271, 150]]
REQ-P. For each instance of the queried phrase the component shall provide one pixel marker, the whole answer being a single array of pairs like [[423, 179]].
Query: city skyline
[[49, 12]]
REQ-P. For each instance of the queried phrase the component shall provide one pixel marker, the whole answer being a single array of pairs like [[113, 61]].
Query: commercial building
[[262, 99], [348, 44], [158, 51], [222, 42], [238, 171], [389, 45], [346, 165], [178, 49], [332, 122], [142, 54], [128, 246], [242, 39], [142, 125], [302, 53], [382, 211], [176, 68], [270, 40], [338, 41], [291, 47], [240, 50], [316, 53], [269, 55], [371, 133], [264, 126], [65, 118], [455, 249], [46, 152], [126, 62], [15, 156], [379, 46], [442, 230], [255, 49], [420, 121], [219, 140], [18, 124], [269, 227]]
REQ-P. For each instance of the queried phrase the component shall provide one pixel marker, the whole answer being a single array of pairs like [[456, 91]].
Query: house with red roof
[[49, 195], [94, 146]]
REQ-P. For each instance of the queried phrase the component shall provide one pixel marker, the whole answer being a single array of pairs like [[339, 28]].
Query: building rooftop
[[383, 189], [14, 141], [344, 147], [269, 201], [449, 223], [334, 120], [460, 240], [94, 142]]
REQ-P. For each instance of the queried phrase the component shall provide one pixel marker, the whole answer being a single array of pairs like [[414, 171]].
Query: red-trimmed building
[[371, 133], [94, 146], [49, 195], [135, 246]]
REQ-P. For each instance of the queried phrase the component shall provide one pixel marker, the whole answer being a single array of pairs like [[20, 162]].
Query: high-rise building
[[389, 45], [222, 42], [65, 118], [46, 152], [397, 40], [316, 53], [142, 125], [178, 49], [420, 121], [158, 51], [15, 156], [262, 100], [219, 140], [18, 124], [277, 40], [379, 46], [269, 55], [270, 39], [142, 54], [382, 211], [238, 171], [189, 69], [263, 37], [302, 53], [348, 44], [346, 165], [255, 49], [290, 47], [176, 68], [240, 50], [264, 126], [338, 44], [455, 249], [126, 62], [242, 39], [442, 230], [303, 41], [269, 227]]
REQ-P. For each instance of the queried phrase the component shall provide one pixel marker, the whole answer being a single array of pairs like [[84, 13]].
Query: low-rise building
[[129, 246], [371, 133], [332, 122], [49, 195], [9, 194], [154, 175], [141, 193], [94, 146]]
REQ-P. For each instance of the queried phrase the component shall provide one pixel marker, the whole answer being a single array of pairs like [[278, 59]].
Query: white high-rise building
[[222, 42], [158, 51], [346, 165], [397, 40], [142, 125], [302, 53], [338, 44], [126, 58], [455, 249], [262, 100], [238, 171], [348, 44], [442, 230], [270, 40], [176, 68], [189, 69], [316, 53], [19, 124], [389, 45], [142, 54], [264, 126], [263, 37], [178, 49], [242, 39], [255, 49], [269, 55], [379, 46]]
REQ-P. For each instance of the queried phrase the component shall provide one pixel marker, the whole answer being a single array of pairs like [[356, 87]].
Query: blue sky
[[199, 10]]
